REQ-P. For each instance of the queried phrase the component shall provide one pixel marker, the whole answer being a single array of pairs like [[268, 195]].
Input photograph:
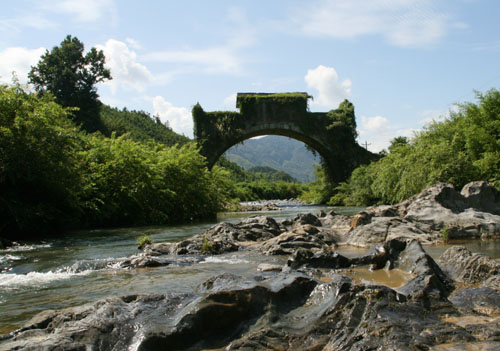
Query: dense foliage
[[259, 183], [268, 173], [39, 169], [462, 148], [249, 102], [54, 177], [71, 77], [266, 190], [139, 125]]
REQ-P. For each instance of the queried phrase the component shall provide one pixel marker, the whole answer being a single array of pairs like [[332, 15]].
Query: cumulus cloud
[[404, 23], [125, 69], [331, 90], [378, 132], [18, 60], [178, 118]]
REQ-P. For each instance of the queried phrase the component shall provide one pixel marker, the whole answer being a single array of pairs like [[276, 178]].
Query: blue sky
[[401, 62]]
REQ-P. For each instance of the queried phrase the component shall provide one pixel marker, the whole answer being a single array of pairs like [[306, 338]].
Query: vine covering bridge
[[331, 134]]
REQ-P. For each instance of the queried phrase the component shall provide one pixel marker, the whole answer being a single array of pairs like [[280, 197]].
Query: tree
[[71, 77]]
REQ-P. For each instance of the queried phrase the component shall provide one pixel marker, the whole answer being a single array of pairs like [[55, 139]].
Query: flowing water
[[83, 267]]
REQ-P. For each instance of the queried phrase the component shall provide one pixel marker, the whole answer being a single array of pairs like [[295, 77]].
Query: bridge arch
[[332, 134]]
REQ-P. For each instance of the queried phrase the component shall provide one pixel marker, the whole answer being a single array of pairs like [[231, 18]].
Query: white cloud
[[226, 58], [125, 70], [178, 118], [230, 102], [437, 115], [405, 23], [83, 11], [19, 60], [13, 26], [134, 44], [378, 132], [374, 124], [433, 115], [331, 91], [222, 59]]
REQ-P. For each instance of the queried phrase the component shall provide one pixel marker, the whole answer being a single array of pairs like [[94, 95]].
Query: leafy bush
[[54, 177], [463, 148], [207, 247], [129, 183], [445, 234], [144, 240], [39, 177]]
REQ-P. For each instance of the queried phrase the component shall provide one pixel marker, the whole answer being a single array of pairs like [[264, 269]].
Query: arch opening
[[278, 152]]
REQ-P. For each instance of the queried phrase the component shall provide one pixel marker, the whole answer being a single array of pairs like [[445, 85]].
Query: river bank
[[293, 281]]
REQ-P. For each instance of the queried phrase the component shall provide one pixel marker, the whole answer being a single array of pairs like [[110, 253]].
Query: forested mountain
[[281, 153], [141, 126]]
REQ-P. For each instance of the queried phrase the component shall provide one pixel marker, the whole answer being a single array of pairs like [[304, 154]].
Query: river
[[82, 267]]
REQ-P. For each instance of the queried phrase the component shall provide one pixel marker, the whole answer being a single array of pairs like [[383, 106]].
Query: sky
[[402, 63]]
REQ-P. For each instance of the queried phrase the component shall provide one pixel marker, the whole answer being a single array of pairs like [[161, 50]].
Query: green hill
[[281, 153], [141, 126]]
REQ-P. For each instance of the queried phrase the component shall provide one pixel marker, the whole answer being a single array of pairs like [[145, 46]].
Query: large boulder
[[304, 236], [482, 197], [159, 322], [281, 311], [428, 216], [471, 268], [402, 253]]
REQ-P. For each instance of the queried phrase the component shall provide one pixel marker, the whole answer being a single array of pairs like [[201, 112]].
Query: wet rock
[[289, 311], [318, 259], [339, 315], [471, 268], [473, 346], [219, 239], [362, 218], [305, 236], [307, 218], [430, 280], [144, 261], [258, 228], [481, 196], [401, 253], [474, 213], [471, 300], [219, 282], [266, 267], [442, 206], [339, 223]]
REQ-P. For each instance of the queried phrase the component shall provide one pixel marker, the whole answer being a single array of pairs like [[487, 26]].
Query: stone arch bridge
[[331, 134]]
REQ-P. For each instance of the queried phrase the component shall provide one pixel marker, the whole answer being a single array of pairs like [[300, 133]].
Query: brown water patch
[[393, 278], [6, 329], [351, 251]]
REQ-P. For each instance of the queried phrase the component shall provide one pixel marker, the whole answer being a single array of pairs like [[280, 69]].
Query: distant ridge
[[281, 153]]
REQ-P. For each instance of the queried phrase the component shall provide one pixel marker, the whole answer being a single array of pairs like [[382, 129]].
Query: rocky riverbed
[[313, 301]]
